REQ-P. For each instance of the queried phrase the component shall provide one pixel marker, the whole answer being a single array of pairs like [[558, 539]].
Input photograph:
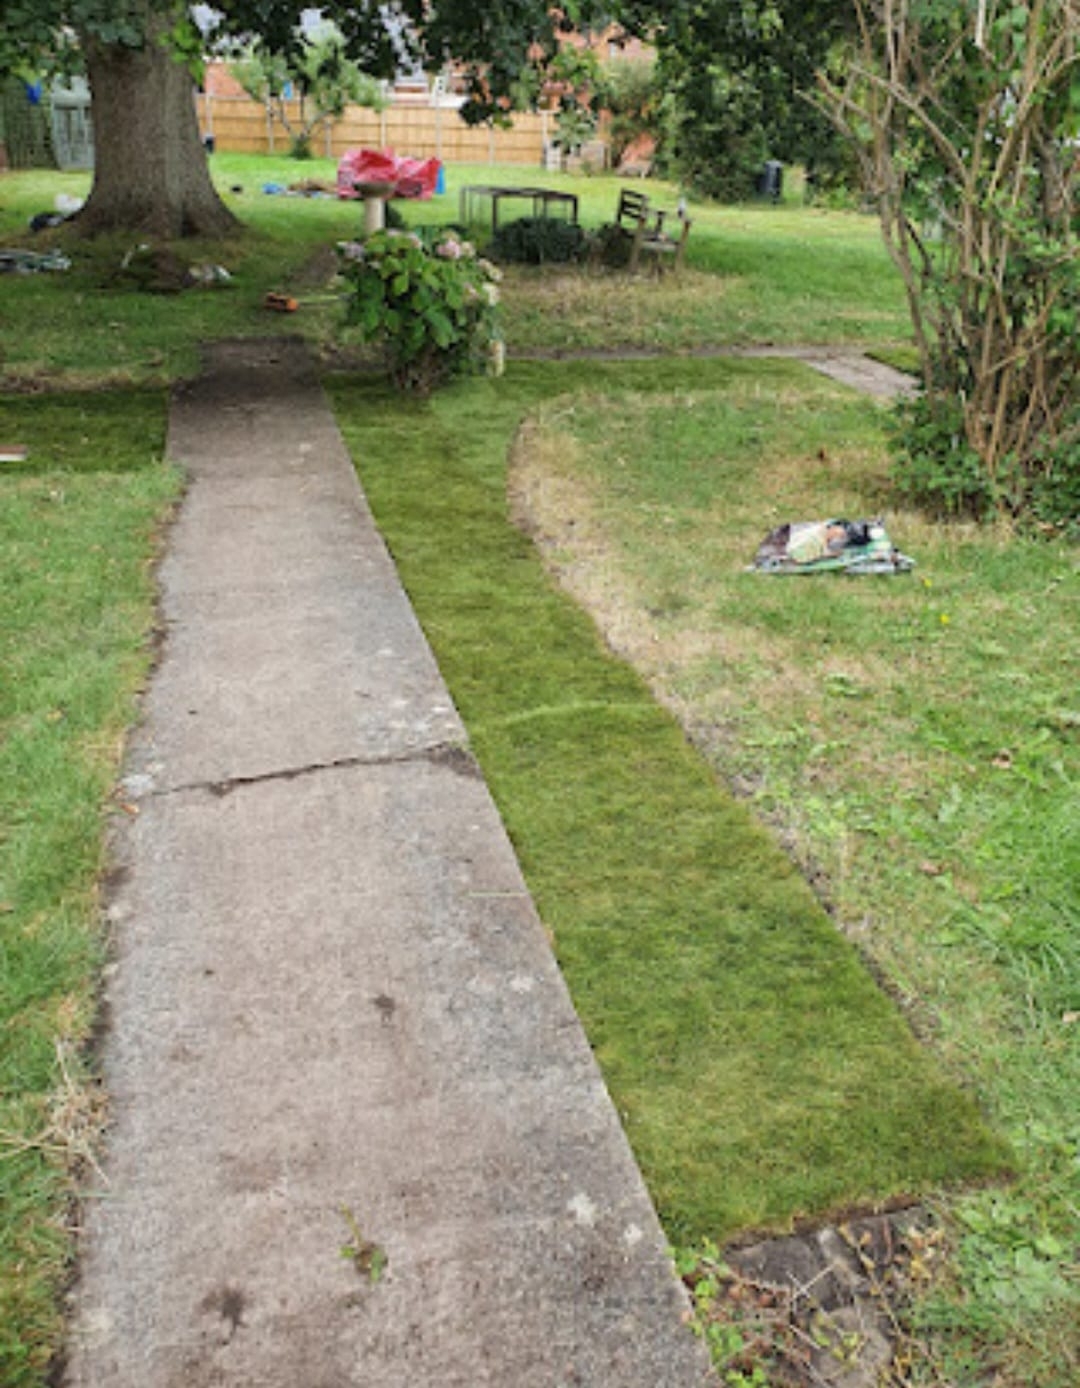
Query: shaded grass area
[[761, 1074], [87, 325], [755, 274], [78, 523], [917, 739]]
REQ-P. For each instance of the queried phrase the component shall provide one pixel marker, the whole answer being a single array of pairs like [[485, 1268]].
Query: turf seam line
[[510, 720]]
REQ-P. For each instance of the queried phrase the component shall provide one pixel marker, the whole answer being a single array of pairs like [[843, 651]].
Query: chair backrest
[[633, 207]]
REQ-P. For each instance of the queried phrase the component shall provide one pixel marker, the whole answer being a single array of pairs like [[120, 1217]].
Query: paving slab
[[863, 373], [847, 365], [357, 1134]]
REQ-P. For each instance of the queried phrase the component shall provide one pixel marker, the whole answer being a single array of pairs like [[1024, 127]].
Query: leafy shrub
[[575, 125], [537, 241], [972, 164], [721, 138], [937, 468], [432, 307], [637, 102], [1055, 488], [610, 245]]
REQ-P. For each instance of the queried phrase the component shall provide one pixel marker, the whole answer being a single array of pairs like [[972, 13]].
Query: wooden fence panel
[[240, 125]]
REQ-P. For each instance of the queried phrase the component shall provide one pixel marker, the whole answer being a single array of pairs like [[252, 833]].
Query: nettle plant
[[430, 302]]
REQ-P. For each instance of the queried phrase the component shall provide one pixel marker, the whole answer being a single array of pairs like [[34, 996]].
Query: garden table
[[545, 202]]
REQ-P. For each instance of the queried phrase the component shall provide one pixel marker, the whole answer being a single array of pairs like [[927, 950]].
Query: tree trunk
[[150, 170]]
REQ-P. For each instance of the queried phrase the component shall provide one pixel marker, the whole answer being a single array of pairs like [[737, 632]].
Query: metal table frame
[[544, 202]]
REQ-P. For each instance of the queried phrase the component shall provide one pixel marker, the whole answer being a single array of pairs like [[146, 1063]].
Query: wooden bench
[[645, 225]]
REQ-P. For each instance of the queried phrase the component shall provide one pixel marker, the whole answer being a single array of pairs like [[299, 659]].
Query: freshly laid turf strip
[[761, 1073]]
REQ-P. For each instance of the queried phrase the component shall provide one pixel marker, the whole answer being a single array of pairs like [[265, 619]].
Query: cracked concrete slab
[[358, 1136]]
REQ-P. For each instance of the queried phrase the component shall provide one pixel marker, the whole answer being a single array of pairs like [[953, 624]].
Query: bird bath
[[374, 196]]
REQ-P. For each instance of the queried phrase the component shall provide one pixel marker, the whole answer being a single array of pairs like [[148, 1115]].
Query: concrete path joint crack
[[450, 755]]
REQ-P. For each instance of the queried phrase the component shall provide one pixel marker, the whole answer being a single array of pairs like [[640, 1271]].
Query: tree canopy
[[739, 75], [738, 69], [150, 171], [495, 39]]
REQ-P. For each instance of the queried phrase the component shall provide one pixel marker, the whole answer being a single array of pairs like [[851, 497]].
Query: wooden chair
[[645, 224]]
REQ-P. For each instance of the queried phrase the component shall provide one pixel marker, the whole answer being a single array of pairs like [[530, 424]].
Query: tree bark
[[150, 169]]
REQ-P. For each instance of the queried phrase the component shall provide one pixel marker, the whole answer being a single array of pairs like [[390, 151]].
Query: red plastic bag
[[409, 178]]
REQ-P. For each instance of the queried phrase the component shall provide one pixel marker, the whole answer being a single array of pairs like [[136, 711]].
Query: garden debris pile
[[858, 547], [159, 270]]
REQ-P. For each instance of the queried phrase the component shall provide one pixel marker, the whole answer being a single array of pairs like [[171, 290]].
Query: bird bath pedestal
[[374, 196]]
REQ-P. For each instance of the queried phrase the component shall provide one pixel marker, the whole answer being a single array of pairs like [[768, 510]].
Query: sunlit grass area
[[762, 1074], [912, 741], [78, 526]]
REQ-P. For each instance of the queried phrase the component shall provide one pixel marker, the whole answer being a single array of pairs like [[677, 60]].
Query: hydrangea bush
[[431, 304]]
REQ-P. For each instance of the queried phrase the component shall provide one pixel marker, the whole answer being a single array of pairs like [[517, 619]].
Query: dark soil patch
[[823, 1307], [318, 271]]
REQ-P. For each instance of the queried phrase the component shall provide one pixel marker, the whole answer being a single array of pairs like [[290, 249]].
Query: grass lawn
[[660, 889], [762, 1074], [916, 740], [78, 524], [756, 274]]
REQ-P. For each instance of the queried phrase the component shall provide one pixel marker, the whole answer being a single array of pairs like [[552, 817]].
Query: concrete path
[[358, 1137], [846, 365]]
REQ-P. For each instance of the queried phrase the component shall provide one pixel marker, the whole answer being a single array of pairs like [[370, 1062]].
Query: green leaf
[[442, 329]]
